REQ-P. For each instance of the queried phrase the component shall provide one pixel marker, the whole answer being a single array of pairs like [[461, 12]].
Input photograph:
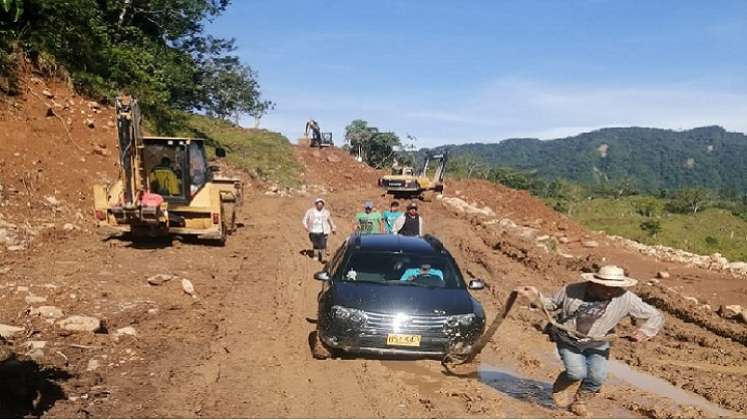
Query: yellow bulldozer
[[404, 182], [166, 186]]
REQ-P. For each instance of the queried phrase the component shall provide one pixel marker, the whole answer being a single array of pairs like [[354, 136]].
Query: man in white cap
[[586, 313], [318, 222]]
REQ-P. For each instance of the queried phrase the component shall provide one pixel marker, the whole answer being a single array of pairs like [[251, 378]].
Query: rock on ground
[[32, 299], [47, 312], [730, 311], [9, 331], [80, 323], [126, 331], [159, 279], [189, 288]]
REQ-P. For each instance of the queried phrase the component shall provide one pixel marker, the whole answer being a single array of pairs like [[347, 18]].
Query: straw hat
[[611, 276]]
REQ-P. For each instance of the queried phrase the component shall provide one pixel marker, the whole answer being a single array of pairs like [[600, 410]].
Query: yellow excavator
[[404, 182], [315, 137], [166, 186]]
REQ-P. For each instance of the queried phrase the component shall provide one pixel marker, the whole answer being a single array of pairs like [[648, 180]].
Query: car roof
[[397, 243]]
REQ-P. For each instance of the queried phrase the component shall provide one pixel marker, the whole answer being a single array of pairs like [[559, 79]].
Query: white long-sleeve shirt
[[318, 221]]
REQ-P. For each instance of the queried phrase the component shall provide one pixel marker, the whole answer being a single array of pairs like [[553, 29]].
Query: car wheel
[[318, 349]]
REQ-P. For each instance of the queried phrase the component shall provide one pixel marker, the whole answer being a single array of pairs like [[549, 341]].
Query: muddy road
[[240, 347]]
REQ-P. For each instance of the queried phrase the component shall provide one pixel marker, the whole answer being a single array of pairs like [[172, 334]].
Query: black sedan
[[395, 295]]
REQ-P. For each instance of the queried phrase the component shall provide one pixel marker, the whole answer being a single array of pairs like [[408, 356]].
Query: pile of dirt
[[335, 169], [516, 205], [53, 146]]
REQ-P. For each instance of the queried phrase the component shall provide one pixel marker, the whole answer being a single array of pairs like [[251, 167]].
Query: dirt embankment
[[239, 347], [54, 145]]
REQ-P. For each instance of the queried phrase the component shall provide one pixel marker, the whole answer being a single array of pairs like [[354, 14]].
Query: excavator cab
[[176, 168], [166, 186], [406, 184]]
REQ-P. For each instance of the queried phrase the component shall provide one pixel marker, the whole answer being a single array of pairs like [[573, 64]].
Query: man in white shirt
[[318, 223]]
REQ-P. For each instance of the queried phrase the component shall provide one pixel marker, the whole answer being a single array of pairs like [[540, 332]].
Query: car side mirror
[[321, 276], [220, 152], [476, 284]]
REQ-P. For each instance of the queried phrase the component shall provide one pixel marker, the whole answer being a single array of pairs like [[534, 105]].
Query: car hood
[[411, 300]]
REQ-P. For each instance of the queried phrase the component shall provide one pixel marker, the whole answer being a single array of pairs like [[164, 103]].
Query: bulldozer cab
[[175, 168]]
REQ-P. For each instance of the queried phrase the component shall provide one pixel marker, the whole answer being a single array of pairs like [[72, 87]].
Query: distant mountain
[[654, 158]]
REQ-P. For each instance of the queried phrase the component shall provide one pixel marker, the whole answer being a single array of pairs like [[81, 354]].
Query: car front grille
[[379, 323]]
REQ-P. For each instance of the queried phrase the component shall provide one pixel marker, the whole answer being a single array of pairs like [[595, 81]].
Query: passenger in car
[[423, 270]]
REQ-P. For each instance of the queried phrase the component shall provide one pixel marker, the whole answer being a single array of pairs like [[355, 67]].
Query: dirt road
[[240, 348]]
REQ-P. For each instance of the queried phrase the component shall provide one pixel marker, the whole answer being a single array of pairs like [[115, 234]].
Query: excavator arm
[[438, 176], [130, 149]]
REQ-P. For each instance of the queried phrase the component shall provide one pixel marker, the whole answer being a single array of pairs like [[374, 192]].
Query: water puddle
[[508, 382], [621, 372]]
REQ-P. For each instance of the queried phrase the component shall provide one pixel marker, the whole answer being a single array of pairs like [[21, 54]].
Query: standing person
[[391, 216], [587, 312], [369, 220], [410, 223], [318, 222]]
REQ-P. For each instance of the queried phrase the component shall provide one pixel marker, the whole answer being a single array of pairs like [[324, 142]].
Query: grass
[[709, 231], [265, 154]]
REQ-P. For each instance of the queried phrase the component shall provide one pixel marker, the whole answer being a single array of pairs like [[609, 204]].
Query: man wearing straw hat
[[586, 314], [318, 223]]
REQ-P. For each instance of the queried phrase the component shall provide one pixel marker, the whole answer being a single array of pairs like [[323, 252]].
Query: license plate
[[395, 184], [403, 340]]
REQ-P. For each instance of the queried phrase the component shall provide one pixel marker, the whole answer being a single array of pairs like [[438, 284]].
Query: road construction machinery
[[166, 186], [404, 182], [315, 136]]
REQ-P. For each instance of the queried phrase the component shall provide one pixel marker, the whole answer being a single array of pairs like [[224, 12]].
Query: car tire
[[318, 350]]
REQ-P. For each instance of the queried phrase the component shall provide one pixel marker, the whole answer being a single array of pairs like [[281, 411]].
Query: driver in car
[[424, 271]]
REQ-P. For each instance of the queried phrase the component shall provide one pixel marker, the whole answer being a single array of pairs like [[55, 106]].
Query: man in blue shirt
[[391, 216], [424, 270]]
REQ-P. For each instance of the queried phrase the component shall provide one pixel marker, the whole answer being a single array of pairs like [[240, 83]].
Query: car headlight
[[460, 320], [355, 316]]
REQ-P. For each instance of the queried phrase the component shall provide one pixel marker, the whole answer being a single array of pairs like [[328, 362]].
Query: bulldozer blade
[[451, 360]]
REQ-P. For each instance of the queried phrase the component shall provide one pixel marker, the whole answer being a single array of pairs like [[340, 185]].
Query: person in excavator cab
[[163, 179], [586, 313]]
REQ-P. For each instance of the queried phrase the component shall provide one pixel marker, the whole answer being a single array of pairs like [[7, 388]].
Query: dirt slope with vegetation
[[238, 346]]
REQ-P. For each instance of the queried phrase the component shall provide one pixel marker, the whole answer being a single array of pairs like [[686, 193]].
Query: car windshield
[[432, 271]]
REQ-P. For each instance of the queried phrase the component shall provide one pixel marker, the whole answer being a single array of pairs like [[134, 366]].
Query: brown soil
[[241, 350]]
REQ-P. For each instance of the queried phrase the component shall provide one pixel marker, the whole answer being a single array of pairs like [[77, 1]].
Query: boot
[[563, 390], [579, 405]]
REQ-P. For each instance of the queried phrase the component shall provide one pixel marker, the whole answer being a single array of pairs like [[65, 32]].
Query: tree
[[689, 200], [11, 10], [647, 206], [156, 50], [565, 195], [651, 227], [231, 90], [378, 149]]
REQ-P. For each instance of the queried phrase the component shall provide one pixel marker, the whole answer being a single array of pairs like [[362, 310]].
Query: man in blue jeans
[[586, 313]]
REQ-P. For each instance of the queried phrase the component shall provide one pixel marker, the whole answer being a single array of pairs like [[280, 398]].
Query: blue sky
[[461, 71]]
